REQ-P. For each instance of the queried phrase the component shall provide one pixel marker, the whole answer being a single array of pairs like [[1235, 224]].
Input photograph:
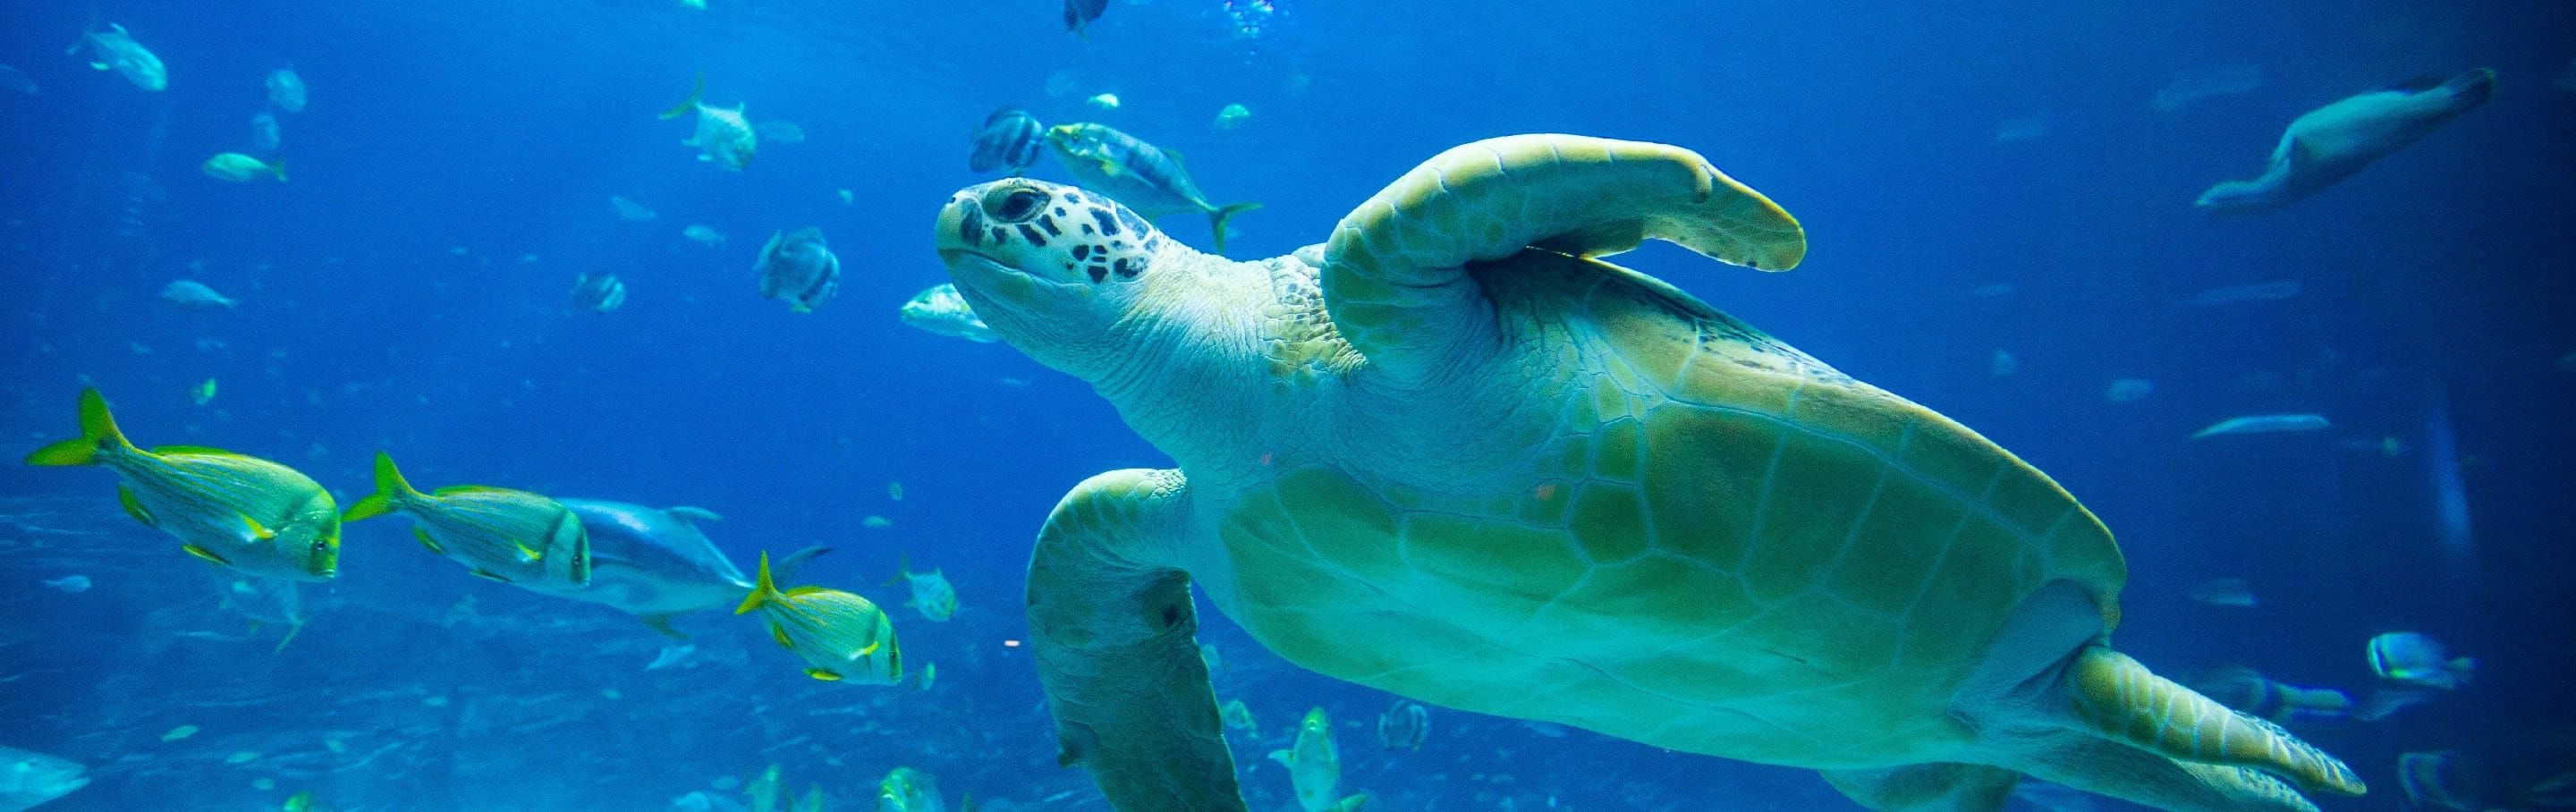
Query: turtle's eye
[[1014, 204]]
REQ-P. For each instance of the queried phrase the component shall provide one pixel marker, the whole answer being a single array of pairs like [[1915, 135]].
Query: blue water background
[[385, 305]]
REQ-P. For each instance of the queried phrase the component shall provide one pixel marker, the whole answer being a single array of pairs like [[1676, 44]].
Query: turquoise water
[[1975, 179]]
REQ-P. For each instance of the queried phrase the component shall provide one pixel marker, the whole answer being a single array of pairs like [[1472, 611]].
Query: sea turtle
[[1450, 455]]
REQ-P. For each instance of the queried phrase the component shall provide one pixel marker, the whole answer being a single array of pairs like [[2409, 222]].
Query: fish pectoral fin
[[823, 675], [1283, 757], [870, 649], [256, 529], [208, 555], [426, 541], [98, 66], [134, 507], [480, 572], [529, 554], [780, 635], [661, 623]]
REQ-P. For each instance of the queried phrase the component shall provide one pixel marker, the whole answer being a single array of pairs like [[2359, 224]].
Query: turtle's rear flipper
[[2119, 699], [1116, 642], [1928, 787]]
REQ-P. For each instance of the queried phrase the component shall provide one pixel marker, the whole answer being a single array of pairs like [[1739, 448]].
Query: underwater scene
[[1278, 405]]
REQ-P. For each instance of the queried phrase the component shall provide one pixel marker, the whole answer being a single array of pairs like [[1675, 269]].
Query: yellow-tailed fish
[[1147, 178], [506, 535], [231, 509], [932, 595], [909, 790], [1315, 766], [841, 635]]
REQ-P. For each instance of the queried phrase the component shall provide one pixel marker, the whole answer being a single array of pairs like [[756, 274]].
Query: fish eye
[[1014, 204]]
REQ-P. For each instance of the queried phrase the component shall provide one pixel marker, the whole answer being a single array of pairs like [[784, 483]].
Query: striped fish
[[841, 635], [234, 510], [1009, 138], [796, 266], [1145, 177], [514, 537]]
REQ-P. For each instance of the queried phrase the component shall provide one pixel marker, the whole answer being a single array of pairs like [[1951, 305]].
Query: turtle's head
[[1054, 269]]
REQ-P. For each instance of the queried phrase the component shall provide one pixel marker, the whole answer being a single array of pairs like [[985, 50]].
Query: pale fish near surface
[[2266, 424]]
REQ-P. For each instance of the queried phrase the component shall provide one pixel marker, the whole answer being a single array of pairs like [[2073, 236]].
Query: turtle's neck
[[1190, 360]]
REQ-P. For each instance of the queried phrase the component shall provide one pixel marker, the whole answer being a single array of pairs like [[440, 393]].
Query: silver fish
[[286, 90], [115, 49], [2331, 143], [723, 137], [1146, 178], [194, 295], [1009, 138], [1403, 725], [28, 779], [2265, 424], [603, 293], [942, 310]]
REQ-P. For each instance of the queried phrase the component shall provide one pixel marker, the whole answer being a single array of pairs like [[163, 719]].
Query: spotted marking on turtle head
[[1057, 233]]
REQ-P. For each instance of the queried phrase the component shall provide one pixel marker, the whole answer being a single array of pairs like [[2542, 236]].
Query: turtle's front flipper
[[1116, 644], [2127, 733], [1397, 260]]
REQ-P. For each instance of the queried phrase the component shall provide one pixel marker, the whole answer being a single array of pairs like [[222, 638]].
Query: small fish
[[630, 210], [2003, 364], [2248, 690], [604, 293], [703, 235], [230, 509], [1403, 725], [797, 267], [929, 674], [2445, 780], [2129, 390], [2208, 83], [909, 790], [894, 491], [2230, 592], [932, 595], [1103, 101], [241, 757], [115, 49], [236, 167], [264, 133], [1238, 716], [2265, 424], [1146, 178], [679, 656], [204, 393], [2326, 145], [68, 584], [874, 522], [1548, 729], [944, 311], [1009, 138], [1315, 767], [847, 197], [2030, 127], [1233, 116], [784, 132], [2414, 659], [1079, 14], [2239, 294], [304, 802], [267, 601], [29, 779], [841, 635], [502, 534], [723, 137], [286, 90], [180, 732], [17, 81]]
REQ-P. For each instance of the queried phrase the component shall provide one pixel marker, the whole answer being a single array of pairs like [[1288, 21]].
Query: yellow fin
[[134, 507], [763, 590], [390, 487], [98, 433], [780, 635], [206, 554], [691, 106], [257, 531], [195, 449], [484, 573], [426, 541], [823, 675], [871, 648], [527, 553]]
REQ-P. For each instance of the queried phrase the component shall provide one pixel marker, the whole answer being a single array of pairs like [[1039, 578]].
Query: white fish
[[194, 295], [799, 268], [630, 210], [2030, 127], [286, 90], [942, 310], [2208, 83], [264, 133], [114, 49], [1104, 101], [2129, 390], [1233, 116], [2238, 294], [703, 235], [2331, 143], [68, 584], [723, 137], [28, 779], [2265, 424], [2410, 658], [679, 656], [236, 167]]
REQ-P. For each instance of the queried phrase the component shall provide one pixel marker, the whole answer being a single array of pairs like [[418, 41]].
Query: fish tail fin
[[794, 561], [1217, 218], [763, 590], [2471, 89], [902, 567], [2462, 668], [98, 433], [697, 93], [390, 489], [291, 632], [83, 39], [278, 168]]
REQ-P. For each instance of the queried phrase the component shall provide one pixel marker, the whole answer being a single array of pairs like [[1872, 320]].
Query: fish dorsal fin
[[193, 449], [452, 490], [806, 590]]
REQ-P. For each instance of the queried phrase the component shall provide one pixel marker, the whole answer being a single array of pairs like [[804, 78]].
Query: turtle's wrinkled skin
[[1450, 455]]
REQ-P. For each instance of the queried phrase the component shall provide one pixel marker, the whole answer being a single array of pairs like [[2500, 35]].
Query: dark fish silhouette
[[1010, 138], [1080, 13]]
